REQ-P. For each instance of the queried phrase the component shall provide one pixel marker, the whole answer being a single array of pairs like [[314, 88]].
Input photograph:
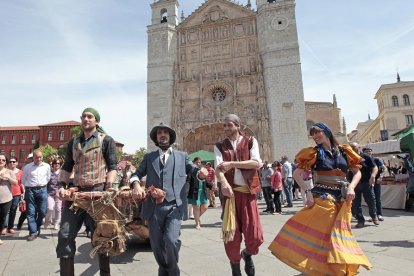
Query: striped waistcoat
[[90, 167]]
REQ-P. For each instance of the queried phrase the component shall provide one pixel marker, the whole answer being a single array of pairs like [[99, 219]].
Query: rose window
[[219, 94]]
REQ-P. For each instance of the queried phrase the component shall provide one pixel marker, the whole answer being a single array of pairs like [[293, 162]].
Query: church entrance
[[205, 137]]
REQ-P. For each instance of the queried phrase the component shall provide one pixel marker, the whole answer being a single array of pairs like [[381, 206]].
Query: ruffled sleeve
[[352, 157], [306, 158]]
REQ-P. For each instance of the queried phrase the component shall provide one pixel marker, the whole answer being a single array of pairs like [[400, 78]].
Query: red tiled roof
[[17, 128], [66, 123]]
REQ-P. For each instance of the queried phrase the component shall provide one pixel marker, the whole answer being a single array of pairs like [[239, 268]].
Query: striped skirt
[[319, 241]]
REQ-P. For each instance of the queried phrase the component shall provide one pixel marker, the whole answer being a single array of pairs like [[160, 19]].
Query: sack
[[22, 206]]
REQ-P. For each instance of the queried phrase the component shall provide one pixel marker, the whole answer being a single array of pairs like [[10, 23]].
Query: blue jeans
[[36, 203], [287, 187], [9, 223], [377, 192], [366, 190]]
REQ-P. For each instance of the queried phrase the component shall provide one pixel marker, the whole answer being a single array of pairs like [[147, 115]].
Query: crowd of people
[[329, 179]]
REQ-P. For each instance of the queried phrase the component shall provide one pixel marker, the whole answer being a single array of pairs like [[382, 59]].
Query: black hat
[[153, 133]]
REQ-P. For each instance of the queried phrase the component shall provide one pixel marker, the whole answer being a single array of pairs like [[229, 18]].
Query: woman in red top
[[277, 187]]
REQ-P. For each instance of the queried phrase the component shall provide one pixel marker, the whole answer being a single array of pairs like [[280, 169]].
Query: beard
[[163, 145]]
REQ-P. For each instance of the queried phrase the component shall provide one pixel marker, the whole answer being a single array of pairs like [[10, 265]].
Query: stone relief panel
[[243, 86]]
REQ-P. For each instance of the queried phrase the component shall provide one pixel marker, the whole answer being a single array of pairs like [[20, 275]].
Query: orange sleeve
[[306, 158], [353, 158]]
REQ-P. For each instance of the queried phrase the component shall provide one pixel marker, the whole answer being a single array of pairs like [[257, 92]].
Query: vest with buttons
[[90, 166]]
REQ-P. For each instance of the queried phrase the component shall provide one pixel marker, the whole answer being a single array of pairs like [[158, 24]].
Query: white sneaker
[[1, 242], [56, 227]]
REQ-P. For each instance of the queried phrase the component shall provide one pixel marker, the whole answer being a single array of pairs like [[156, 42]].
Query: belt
[[90, 188], [36, 188], [289, 177]]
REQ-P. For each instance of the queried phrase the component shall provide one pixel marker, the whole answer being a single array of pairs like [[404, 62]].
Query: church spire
[[398, 77], [249, 5], [182, 15], [335, 104]]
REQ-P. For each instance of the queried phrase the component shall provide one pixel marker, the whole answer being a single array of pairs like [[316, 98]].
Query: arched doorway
[[205, 137]]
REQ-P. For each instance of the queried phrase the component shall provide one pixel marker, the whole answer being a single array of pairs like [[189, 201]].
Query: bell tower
[[279, 52], [162, 52]]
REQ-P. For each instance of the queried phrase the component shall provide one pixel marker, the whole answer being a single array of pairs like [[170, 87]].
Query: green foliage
[[76, 130], [138, 156], [119, 154], [47, 151]]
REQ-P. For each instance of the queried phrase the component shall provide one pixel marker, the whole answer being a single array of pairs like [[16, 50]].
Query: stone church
[[227, 58]]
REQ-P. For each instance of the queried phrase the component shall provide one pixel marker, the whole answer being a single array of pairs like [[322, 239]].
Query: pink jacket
[[277, 181]]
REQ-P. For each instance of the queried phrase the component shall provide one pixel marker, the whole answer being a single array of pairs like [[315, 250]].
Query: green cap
[[94, 112]]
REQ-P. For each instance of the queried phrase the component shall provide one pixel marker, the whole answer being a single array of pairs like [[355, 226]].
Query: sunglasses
[[56, 163], [3, 160], [12, 161]]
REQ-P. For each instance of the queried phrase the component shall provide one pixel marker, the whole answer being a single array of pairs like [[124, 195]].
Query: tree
[[47, 151], [138, 156]]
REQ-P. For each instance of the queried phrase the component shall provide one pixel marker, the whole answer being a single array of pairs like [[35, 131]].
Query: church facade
[[227, 58]]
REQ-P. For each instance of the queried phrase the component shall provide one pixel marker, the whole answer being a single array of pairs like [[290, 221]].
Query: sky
[[59, 56]]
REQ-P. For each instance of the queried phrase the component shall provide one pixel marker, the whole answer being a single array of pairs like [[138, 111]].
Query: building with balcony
[[395, 103]]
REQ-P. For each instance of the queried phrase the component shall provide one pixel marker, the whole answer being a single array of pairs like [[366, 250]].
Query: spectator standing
[[365, 188], [54, 203], [23, 215], [7, 180], [36, 175], [377, 185], [287, 180], [197, 195], [277, 187], [211, 182], [17, 192], [265, 177]]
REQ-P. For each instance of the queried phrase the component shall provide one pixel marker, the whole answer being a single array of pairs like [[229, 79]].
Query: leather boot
[[67, 267], [248, 263], [104, 267], [235, 270]]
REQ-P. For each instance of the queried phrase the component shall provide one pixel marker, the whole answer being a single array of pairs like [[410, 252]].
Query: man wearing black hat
[[91, 155], [165, 169]]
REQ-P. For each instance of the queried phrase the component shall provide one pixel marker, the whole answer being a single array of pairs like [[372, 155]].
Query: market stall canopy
[[205, 156], [406, 137], [385, 147]]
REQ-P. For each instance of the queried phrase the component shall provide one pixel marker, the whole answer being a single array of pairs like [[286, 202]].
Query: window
[[3, 140], [22, 155], [34, 139], [219, 94], [3, 152], [164, 15], [394, 101], [49, 136], [409, 120], [62, 135], [23, 139], [12, 153], [406, 99], [309, 124], [13, 139]]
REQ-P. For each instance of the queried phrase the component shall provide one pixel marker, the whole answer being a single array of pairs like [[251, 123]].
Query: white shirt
[[254, 155], [36, 175], [167, 154], [286, 170]]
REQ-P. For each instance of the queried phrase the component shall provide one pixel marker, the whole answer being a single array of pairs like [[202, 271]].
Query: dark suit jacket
[[177, 167]]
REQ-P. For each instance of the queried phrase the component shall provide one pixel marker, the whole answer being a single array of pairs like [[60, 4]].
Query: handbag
[[344, 188], [22, 206]]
